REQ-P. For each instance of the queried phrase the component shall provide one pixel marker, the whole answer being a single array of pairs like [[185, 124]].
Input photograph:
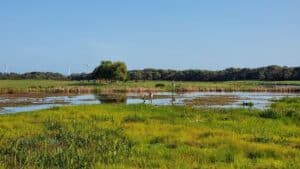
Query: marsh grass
[[144, 136], [62, 145], [134, 118], [75, 87]]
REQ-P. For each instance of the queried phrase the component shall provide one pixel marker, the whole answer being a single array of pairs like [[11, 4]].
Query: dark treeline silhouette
[[33, 75], [269, 73], [81, 76]]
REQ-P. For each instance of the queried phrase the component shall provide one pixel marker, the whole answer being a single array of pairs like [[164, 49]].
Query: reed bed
[[74, 87]]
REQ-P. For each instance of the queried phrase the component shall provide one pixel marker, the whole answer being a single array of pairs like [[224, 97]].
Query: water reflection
[[243, 99], [112, 98]]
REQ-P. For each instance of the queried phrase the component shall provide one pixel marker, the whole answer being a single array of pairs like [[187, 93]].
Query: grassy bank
[[259, 86], [141, 136], [50, 86], [42, 86]]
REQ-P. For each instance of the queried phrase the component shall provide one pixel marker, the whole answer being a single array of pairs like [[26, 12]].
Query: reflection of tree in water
[[112, 97]]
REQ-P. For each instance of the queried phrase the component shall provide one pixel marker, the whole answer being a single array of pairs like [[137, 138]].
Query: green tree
[[109, 70], [119, 71]]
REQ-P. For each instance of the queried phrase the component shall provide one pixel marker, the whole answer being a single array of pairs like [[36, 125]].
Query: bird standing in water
[[151, 96]]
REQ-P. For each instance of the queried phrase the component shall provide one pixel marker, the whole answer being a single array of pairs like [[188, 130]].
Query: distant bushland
[[117, 71], [33, 75], [269, 73]]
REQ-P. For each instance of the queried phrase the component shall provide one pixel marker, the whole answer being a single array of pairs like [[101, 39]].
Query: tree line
[[117, 71], [33, 75], [269, 73]]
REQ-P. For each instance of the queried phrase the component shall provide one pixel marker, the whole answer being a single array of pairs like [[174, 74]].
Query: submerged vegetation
[[143, 136], [212, 100]]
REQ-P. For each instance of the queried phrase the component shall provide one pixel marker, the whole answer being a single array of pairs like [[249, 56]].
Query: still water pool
[[259, 100]]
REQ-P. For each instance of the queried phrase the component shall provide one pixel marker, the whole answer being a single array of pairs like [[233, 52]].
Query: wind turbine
[[5, 68], [87, 66], [69, 70]]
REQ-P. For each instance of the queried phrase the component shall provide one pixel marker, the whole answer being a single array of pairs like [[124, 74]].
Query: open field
[[41, 86], [50, 86], [141, 136]]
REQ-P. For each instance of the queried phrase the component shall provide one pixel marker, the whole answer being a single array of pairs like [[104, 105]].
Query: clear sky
[[48, 35]]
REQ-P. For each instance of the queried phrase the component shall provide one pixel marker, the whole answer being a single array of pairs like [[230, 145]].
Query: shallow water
[[260, 100]]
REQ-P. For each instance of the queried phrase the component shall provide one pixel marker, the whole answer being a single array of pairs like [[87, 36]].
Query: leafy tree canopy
[[109, 70]]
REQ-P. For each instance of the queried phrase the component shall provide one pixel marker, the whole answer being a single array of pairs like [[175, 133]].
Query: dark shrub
[[271, 114], [248, 104], [134, 118], [160, 85], [157, 140]]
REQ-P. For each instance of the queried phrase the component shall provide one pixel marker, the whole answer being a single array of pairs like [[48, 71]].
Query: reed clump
[[76, 145]]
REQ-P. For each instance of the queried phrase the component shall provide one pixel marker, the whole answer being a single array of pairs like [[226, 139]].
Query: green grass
[[195, 86], [32, 83], [143, 136], [51, 86], [39, 86]]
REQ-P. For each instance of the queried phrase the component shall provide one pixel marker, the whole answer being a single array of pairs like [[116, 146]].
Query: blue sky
[[49, 35]]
